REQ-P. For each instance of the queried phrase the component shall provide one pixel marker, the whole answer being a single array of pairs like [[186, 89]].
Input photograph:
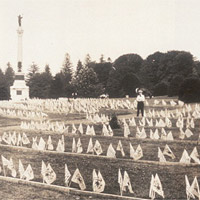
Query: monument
[[19, 91]]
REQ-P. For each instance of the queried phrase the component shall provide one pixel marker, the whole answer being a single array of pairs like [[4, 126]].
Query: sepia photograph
[[100, 100]]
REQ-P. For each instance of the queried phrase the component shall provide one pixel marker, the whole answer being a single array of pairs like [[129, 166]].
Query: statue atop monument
[[20, 20]]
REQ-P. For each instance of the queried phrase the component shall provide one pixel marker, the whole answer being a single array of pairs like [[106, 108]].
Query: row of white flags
[[166, 122], [185, 158], [22, 113], [98, 183], [95, 148]]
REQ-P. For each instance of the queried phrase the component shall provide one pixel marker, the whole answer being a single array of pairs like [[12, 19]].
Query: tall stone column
[[19, 91], [19, 56]]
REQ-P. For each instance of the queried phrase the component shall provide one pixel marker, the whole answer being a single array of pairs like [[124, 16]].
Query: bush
[[190, 90], [160, 89]]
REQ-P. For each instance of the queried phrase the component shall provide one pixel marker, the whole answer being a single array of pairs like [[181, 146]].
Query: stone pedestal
[[19, 91]]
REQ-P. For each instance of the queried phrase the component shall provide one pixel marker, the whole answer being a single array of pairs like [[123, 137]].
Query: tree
[[34, 69], [102, 70], [4, 93], [189, 90], [162, 67], [160, 89], [88, 62], [174, 85], [9, 78], [66, 76], [78, 67], [56, 89], [86, 83], [9, 75], [101, 60], [124, 75]]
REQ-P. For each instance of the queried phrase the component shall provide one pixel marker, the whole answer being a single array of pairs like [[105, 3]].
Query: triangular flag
[[90, 148], [132, 151], [185, 157], [120, 148], [67, 175], [79, 146], [168, 152], [161, 156], [49, 176], [195, 188], [25, 139], [98, 182], [74, 146], [195, 156], [49, 144], [28, 174], [138, 153], [19, 140], [188, 189], [157, 186], [42, 144], [188, 133], [77, 178], [127, 183], [111, 152], [170, 136], [34, 144], [80, 128], [21, 169], [97, 148]]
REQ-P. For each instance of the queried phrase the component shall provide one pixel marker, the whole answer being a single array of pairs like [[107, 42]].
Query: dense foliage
[[173, 73]]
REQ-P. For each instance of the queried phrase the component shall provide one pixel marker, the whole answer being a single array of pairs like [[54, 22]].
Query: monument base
[[19, 91]]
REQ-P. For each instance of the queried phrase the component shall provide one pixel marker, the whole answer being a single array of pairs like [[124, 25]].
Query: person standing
[[140, 103]]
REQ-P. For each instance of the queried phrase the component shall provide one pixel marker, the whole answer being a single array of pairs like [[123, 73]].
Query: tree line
[[174, 73]]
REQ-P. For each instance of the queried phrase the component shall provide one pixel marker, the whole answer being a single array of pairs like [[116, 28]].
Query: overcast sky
[[53, 28]]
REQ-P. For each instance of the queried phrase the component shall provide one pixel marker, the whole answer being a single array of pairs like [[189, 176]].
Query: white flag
[[49, 144], [21, 169], [77, 178], [80, 128], [97, 148], [188, 189], [168, 152], [25, 139], [74, 146], [138, 153], [49, 176], [195, 156], [120, 148], [79, 146], [42, 144], [111, 152], [195, 188], [132, 151], [28, 174], [98, 182], [156, 186], [34, 144], [185, 157], [127, 183], [67, 175], [90, 148], [161, 156]]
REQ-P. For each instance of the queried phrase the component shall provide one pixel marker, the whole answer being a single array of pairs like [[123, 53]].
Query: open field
[[171, 173]]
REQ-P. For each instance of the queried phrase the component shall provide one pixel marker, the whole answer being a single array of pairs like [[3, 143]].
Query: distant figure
[[20, 20], [140, 103]]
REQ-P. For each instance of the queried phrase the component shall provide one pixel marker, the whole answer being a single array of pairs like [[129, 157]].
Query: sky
[[113, 28]]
